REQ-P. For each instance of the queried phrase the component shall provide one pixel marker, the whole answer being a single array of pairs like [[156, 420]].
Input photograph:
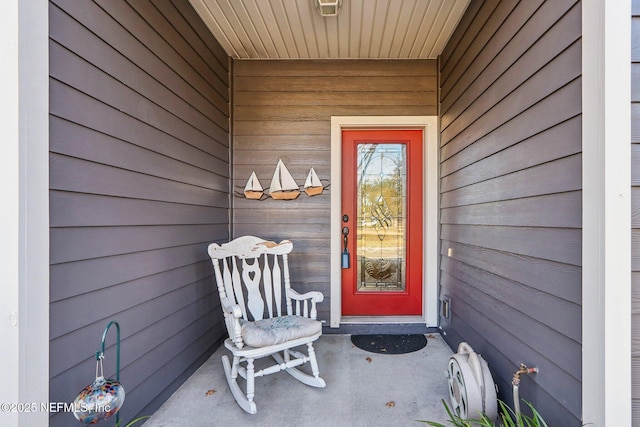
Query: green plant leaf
[[137, 419], [134, 421], [507, 416]]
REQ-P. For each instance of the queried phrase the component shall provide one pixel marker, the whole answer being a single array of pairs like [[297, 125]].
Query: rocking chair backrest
[[253, 273]]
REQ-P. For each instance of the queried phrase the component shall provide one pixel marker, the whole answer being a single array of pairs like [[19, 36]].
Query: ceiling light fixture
[[328, 7]]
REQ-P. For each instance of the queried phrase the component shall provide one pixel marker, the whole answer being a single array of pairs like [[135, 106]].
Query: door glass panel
[[381, 217]]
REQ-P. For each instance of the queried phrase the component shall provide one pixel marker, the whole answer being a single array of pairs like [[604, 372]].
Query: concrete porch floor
[[363, 389]]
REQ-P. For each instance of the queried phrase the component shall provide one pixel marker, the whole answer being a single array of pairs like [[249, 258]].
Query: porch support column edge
[[606, 213]]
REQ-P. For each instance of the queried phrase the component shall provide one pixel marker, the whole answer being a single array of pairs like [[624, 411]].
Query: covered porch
[[363, 389], [144, 124]]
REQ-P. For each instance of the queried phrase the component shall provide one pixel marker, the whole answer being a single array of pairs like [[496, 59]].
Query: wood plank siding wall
[[139, 173], [635, 202], [511, 195], [283, 109]]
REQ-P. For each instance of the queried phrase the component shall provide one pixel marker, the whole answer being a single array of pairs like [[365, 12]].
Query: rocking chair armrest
[[233, 309], [232, 316], [314, 296]]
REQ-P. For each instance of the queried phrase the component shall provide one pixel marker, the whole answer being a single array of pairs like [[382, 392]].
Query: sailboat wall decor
[[253, 190], [283, 186], [312, 185]]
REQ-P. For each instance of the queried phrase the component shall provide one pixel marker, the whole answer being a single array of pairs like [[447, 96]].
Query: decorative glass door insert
[[381, 217], [383, 220]]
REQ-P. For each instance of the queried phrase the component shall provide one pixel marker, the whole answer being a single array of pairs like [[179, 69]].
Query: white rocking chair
[[257, 328]]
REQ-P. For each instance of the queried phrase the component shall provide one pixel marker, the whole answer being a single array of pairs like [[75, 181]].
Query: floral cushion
[[277, 330]]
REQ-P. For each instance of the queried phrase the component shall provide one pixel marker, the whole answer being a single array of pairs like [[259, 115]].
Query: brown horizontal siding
[[139, 155], [72, 346], [338, 84], [84, 243], [496, 101], [536, 242], [506, 116], [534, 273], [635, 205], [96, 36], [635, 241], [483, 332], [546, 343], [135, 17], [549, 112], [332, 68], [185, 290], [97, 211], [176, 351], [557, 141], [94, 178], [320, 112], [283, 109], [517, 29], [556, 210], [562, 175], [183, 120], [276, 128], [538, 306], [495, 22], [460, 41], [97, 275], [139, 186], [511, 199], [635, 123], [351, 99], [89, 112]]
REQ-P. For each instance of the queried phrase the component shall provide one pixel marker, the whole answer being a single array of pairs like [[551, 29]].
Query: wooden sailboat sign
[[283, 186], [312, 185], [253, 190]]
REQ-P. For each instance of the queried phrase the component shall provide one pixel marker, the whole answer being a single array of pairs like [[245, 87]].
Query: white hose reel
[[471, 388]]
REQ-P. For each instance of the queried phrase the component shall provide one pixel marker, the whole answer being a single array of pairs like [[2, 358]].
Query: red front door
[[382, 210]]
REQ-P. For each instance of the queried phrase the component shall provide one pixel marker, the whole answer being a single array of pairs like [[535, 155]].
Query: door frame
[[24, 171], [429, 127]]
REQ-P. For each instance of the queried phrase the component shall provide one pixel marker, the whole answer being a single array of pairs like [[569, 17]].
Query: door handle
[[346, 262], [345, 233]]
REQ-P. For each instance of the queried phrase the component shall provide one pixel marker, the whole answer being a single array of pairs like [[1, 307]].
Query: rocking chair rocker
[[256, 326]]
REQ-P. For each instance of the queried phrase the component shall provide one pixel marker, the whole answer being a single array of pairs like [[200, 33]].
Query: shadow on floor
[[363, 389]]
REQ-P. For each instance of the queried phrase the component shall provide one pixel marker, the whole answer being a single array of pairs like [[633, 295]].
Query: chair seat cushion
[[278, 330]]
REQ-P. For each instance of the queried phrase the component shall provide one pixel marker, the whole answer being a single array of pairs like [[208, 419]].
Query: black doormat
[[390, 344]]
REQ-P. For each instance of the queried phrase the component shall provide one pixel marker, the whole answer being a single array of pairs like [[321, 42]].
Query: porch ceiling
[[363, 29]]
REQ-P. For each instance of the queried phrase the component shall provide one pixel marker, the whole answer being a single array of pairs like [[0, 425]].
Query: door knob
[[346, 262]]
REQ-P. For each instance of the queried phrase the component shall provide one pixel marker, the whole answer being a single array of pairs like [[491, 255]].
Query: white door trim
[[429, 125], [606, 213], [24, 173]]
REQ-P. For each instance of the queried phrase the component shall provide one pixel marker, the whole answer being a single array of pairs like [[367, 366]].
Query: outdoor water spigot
[[522, 370]]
